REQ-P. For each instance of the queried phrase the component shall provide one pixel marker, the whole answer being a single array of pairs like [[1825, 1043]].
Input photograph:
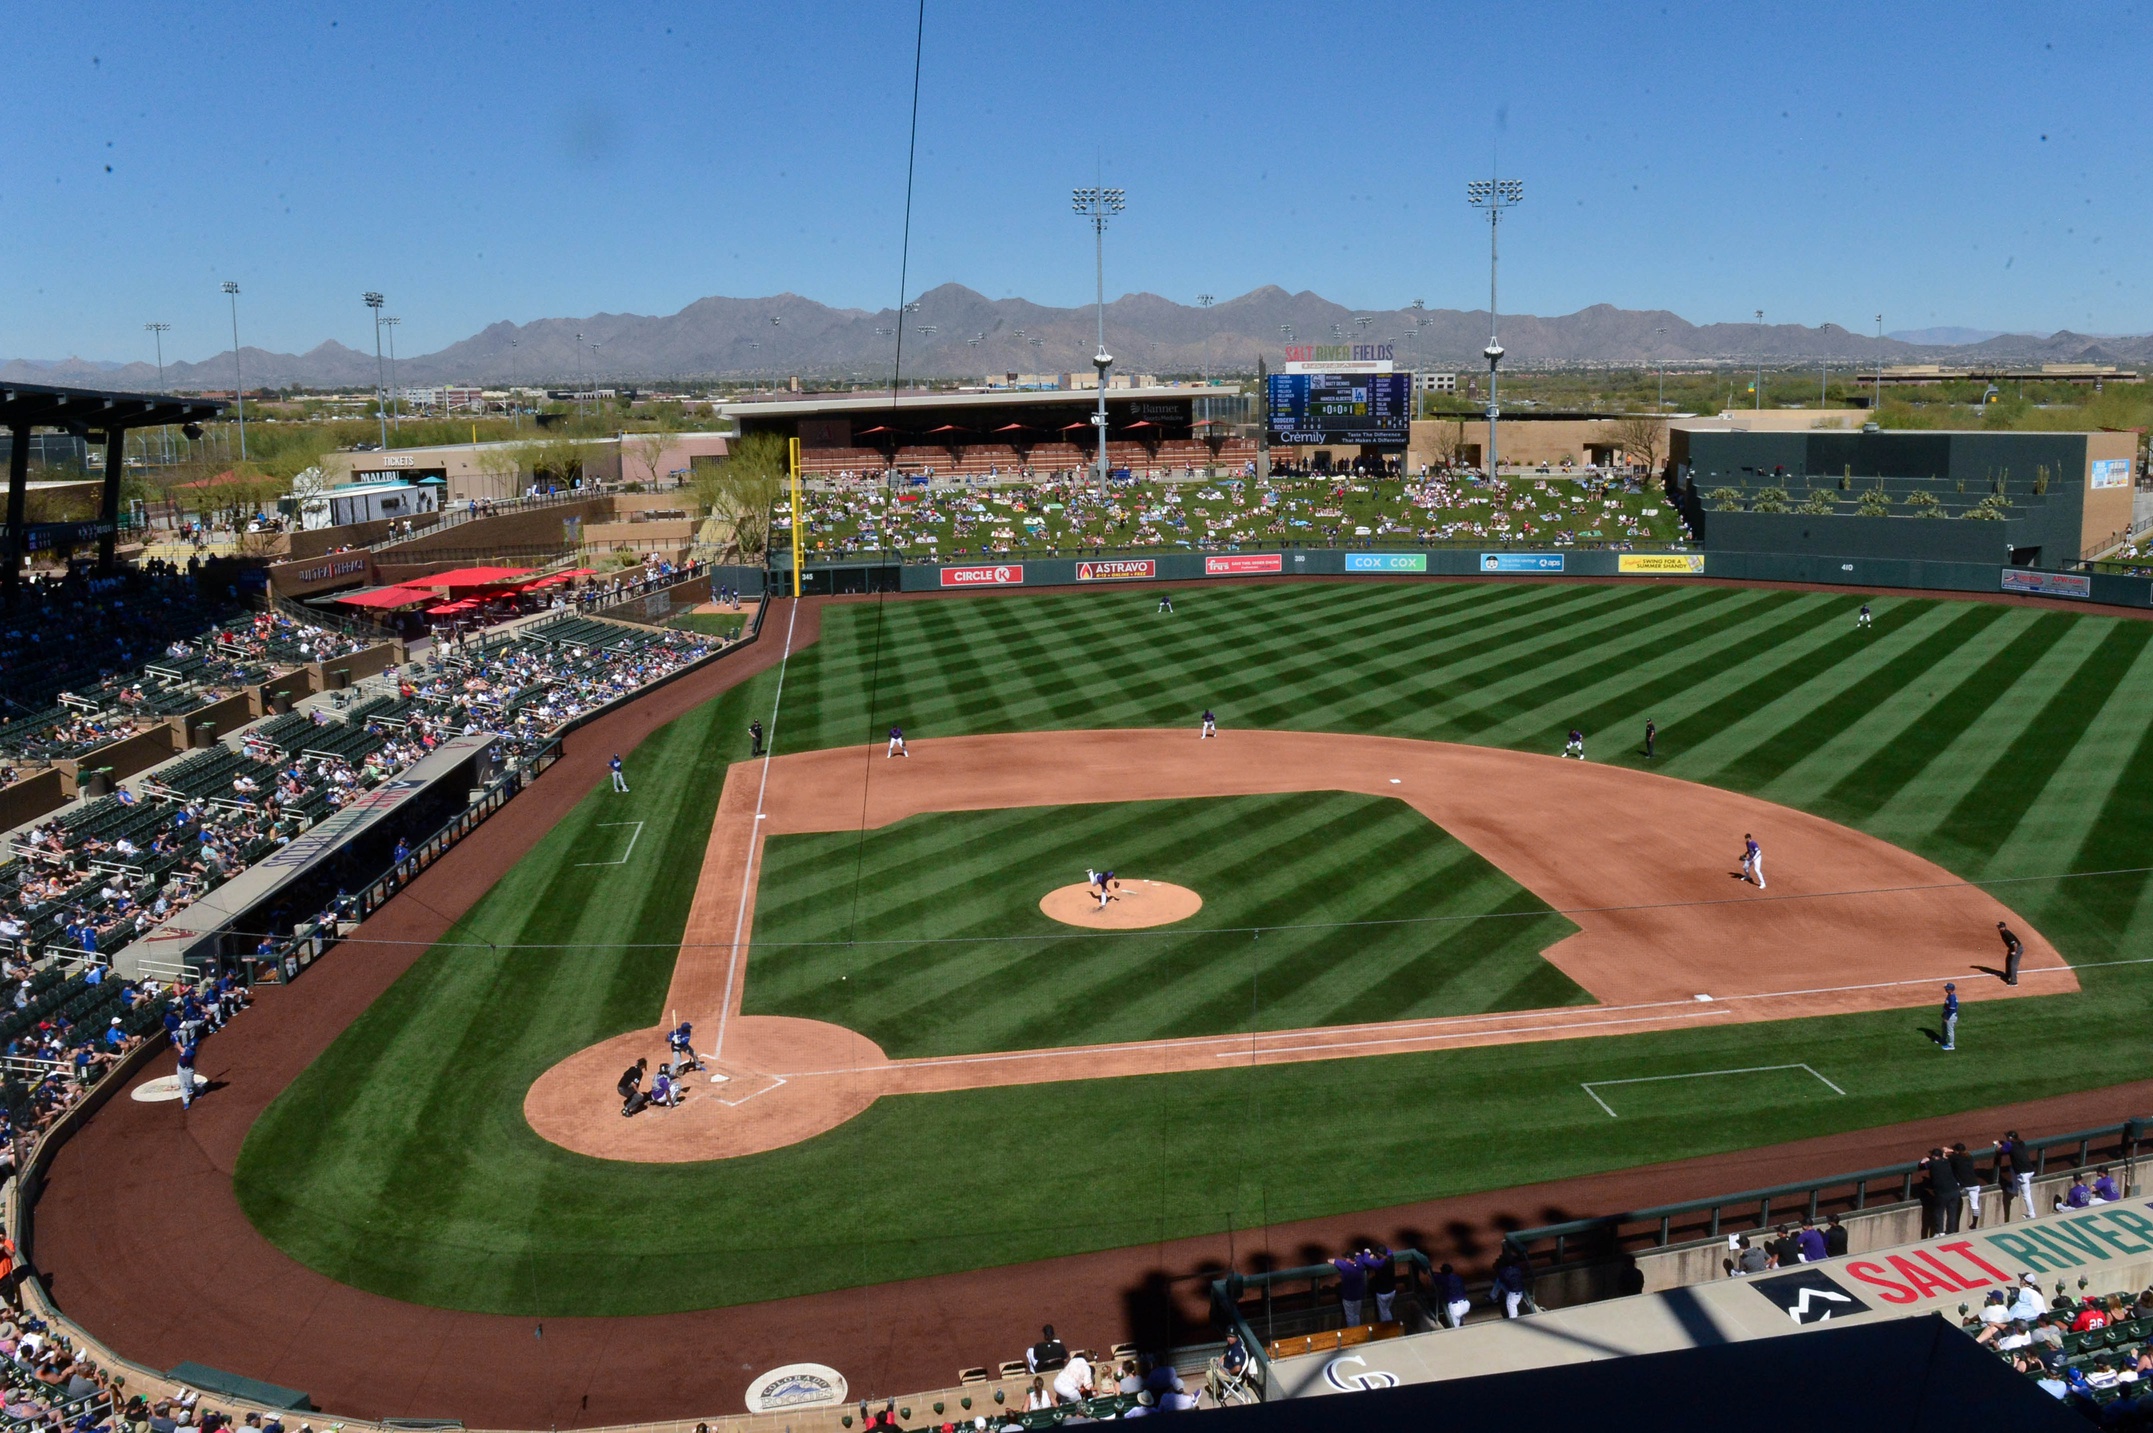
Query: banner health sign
[[1664, 564], [1521, 562], [2047, 584], [1386, 562]]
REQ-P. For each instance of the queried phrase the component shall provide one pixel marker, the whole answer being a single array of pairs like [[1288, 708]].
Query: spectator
[[1939, 1196], [1228, 1368], [1811, 1243], [1450, 1298], [1048, 1354], [1382, 1270], [1968, 1177], [1073, 1383], [1512, 1288], [1352, 1286], [1036, 1398]]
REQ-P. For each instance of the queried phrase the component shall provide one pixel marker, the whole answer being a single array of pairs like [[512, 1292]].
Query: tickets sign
[[1117, 570], [1009, 574], [1240, 564]]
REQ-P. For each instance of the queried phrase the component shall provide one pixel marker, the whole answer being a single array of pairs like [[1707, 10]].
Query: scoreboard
[[1305, 409]]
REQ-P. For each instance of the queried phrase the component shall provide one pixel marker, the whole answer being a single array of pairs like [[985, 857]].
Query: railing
[[1586, 1241], [1305, 1313], [781, 556], [454, 516]]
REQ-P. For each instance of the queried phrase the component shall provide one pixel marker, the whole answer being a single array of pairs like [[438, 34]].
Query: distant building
[[1435, 383]]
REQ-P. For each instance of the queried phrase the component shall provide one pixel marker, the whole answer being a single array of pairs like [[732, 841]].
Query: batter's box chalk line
[[1592, 1087], [775, 1081], [633, 837]]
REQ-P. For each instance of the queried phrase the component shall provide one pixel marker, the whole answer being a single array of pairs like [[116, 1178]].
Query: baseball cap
[[1948, 985]]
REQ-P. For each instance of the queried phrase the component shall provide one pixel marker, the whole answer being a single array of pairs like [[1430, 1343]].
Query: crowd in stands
[[92, 660], [2094, 1352], [97, 876], [852, 514]]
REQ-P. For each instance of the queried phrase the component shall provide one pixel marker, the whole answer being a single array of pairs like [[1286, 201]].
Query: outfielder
[[1862, 620], [1166, 603], [897, 743]]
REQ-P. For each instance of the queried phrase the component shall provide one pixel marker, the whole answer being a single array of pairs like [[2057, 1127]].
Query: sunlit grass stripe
[[1987, 815], [1731, 726], [1935, 726]]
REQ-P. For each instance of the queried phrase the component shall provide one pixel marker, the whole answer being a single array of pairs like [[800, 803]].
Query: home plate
[[157, 1091], [718, 1079]]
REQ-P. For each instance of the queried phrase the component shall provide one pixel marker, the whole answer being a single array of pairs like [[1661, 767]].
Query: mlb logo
[[1809, 1296]]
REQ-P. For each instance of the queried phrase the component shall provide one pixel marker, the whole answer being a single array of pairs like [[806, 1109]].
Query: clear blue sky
[[1945, 164]]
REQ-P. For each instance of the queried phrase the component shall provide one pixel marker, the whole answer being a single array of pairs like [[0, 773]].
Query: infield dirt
[[1670, 934]]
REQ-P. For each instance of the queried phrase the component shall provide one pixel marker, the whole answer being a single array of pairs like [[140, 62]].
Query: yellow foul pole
[[792, 454]]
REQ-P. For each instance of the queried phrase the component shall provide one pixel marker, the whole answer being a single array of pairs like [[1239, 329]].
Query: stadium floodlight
[[1659, 343], [1491, 197], [381, 379], [1099, 204], [396, 409], [1760, 359], [239, 389], [1287, 330]]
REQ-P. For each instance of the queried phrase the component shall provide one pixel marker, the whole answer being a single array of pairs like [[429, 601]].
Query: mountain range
[[953, 332]]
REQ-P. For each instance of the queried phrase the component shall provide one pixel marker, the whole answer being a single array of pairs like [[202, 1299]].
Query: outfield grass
[[961, 959], [2009, 744]]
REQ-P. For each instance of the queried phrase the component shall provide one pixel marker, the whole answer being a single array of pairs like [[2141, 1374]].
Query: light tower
[[381, 381], [396, 409], [239, 390], [159, 330], [1100, 205], [1491, 197]]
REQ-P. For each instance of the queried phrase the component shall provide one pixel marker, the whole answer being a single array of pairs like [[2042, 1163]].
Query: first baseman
[[897, 742], [1576, 747], [1211, 725]]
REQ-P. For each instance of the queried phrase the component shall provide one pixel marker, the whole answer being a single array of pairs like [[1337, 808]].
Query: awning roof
[[388, 598], [470, 577], [84, 410]]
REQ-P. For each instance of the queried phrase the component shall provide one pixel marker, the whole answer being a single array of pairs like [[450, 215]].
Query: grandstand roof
[[471, 577], [835, 403], [33, 405]]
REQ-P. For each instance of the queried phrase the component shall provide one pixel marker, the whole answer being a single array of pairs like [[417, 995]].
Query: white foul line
[[633, 837], [747, 873], [1587, 1087]]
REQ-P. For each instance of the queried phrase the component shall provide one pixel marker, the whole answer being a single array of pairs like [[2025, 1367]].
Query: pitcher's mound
[[1135, 904]]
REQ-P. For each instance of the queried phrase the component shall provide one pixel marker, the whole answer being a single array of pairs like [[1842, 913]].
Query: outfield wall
[[1895, 573]]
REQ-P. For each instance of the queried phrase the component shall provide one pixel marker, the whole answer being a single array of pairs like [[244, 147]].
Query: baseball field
[[1956, 753]]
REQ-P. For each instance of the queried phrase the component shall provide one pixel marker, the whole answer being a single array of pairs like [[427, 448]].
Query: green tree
[[742, 490]]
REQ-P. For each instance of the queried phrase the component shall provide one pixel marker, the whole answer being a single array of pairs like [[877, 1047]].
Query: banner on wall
[[1521, 562], [1117, 570], [2111, 472], [1386, 562], [2047, 584], [1004, 575], [1688, 564], [1241, 564]]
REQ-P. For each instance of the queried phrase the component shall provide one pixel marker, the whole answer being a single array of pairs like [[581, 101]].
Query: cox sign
[[1005, 575]]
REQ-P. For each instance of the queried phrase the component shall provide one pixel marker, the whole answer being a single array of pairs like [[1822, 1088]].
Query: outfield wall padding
[[1911, 574]]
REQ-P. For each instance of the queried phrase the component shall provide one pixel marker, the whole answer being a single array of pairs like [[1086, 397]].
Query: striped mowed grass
[[2011, 745]]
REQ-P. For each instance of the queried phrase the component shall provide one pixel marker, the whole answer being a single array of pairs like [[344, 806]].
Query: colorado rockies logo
[[1334, 1373], [1808, 1296]]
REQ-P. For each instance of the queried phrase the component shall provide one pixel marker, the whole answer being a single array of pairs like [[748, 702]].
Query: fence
[[453, 516], [1309, 1315], [1610, 1238]]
